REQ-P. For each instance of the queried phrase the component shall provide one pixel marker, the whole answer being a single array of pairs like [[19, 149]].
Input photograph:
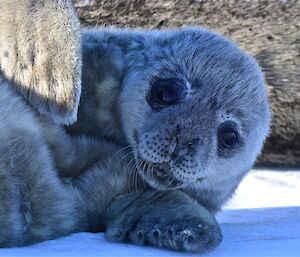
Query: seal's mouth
[[167, 175], [157, 175]]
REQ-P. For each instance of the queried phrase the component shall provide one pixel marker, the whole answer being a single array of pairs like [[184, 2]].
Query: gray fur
[[176, 148], [167, 219], [40, 73], [223, 83], [53, 183], [37, 201]]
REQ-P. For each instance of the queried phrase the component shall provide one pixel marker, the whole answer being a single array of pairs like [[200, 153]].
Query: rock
[[267, 29]]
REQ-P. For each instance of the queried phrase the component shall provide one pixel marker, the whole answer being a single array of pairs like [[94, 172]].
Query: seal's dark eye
[[227, 135], [165, 92], [166, 95]]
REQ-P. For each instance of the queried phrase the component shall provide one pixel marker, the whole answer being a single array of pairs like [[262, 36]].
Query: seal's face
[[195, 111]]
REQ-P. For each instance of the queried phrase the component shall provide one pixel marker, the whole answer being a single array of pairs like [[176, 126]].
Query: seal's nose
[[184, 144], [182, 150]]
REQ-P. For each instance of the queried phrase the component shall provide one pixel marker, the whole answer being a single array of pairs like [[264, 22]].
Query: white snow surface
[[262, 219]]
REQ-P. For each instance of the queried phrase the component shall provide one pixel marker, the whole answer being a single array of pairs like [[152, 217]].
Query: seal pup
[[53, 184], [188, 102], [193, 109]]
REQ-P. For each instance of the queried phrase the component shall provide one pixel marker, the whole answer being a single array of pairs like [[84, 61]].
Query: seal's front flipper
[[164, 219]]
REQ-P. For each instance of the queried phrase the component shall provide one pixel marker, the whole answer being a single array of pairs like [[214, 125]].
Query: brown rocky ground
[[267, 29]]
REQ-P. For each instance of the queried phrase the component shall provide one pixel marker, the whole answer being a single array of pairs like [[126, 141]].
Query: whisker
[[137, 174], [147, 172], [152, 172], [170, 183], [119, 151], [133, 174], [125, 156], [131, 170]]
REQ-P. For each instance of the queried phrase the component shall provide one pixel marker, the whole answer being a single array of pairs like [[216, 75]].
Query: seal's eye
[[166, 95], [227, 135], [165, 92]]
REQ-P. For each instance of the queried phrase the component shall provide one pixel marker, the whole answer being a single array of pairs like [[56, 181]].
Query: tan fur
[[40, 53]]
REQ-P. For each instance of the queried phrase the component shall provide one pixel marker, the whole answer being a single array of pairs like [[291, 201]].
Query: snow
[[262, 219], [268, 188]]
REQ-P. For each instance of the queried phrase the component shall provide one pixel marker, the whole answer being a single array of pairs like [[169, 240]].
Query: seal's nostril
[[182, 152], [187, 145]]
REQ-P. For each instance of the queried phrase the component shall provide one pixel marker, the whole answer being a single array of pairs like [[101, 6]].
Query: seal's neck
[[98, 113]]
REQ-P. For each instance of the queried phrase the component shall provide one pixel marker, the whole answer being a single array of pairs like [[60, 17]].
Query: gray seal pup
[[193, 110], [191, 105], [177, 119]]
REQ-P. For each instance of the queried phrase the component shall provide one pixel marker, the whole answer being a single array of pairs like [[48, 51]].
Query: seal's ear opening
[[40, 53]]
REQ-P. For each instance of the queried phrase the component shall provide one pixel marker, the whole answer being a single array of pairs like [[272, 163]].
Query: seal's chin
[[157, 176]]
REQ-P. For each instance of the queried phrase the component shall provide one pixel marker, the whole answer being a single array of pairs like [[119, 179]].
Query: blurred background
[[267, 29]]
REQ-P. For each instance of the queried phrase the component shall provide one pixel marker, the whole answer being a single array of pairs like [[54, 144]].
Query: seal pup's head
[[194, 108]]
